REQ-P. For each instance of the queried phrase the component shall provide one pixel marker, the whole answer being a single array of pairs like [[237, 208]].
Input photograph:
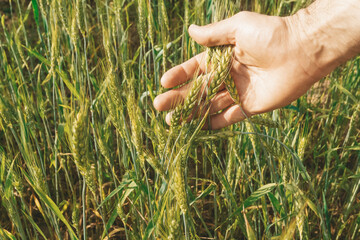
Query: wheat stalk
[[218, 62]]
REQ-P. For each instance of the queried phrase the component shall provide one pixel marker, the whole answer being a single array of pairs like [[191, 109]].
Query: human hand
[[272, 66], [264, 67]]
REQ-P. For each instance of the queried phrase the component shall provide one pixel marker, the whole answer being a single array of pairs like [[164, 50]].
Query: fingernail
[[162, 80], [193, 27], [156, 103], [168, 118]]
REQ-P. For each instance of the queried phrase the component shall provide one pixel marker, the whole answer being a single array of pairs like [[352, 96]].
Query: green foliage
[[83, 154]]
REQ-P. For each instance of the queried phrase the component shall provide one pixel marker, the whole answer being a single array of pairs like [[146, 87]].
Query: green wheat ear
[[218, 64], [231, 88], [80, 11], [183, 111], [179, 180], [221, 58], [80, 143], [62, 12]]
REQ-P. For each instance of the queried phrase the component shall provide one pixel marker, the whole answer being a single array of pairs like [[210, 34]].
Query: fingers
[[227, 117], [215, 34], [221, 101], [171, 99], [184, 72], [219, 33]]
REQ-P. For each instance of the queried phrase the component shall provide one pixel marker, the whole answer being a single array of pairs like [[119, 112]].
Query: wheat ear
[[80, 17], [218, 61], [220, 68], [179, 180], [80, 142], [183, 111]]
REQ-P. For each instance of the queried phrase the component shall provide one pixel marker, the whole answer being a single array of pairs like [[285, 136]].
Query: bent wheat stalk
[[218, 61]]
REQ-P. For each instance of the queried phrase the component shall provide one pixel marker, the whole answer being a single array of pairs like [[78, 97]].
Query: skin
[[276, 59]]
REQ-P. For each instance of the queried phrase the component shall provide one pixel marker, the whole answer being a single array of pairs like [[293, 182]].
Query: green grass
[[84, 155]]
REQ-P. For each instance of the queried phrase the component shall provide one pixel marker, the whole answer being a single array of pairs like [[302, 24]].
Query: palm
[[264, 67]]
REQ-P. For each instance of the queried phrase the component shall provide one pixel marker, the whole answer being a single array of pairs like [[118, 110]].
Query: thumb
[[219, 33]]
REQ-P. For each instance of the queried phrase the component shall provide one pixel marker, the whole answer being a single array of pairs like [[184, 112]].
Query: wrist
[[327, 33]]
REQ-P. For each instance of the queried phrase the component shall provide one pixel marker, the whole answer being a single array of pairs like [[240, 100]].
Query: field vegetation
[[84, 154]]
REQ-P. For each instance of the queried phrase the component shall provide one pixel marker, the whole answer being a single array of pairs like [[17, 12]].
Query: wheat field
[[84, 154]]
